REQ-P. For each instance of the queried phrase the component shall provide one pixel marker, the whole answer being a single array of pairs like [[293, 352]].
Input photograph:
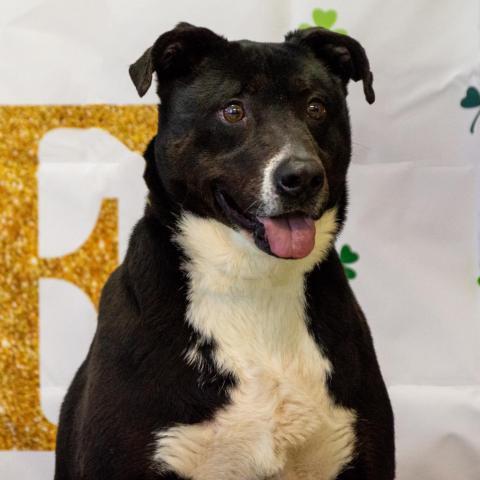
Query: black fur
[[135, 379]]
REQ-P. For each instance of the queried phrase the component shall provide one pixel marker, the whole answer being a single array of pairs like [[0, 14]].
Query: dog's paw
[[182, 449]]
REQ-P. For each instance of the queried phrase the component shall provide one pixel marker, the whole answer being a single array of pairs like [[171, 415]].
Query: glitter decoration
[[22, 423], [90, 265]]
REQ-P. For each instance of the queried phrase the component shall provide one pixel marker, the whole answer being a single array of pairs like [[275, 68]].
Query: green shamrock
[[347, 257], [472, 100], [325, 19]]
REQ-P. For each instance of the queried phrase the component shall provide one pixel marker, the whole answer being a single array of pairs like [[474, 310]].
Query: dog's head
[[255, 135]]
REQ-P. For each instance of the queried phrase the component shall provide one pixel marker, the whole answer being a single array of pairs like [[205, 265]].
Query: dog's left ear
[[343, 54]]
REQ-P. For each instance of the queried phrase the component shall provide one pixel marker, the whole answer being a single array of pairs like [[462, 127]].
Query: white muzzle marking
[[271, 200]]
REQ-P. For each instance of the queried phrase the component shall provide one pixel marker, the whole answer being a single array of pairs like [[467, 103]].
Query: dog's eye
[[233, 112], [316, 110]]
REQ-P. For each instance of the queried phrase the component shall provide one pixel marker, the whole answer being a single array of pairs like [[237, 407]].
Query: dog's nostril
[[316, 181], [291, 182]]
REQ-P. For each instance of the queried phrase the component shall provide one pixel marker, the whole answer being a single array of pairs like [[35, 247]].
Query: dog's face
[[255, 135]]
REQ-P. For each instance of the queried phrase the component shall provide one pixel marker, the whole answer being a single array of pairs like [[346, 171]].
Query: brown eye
[[233, 112], [316, 110]]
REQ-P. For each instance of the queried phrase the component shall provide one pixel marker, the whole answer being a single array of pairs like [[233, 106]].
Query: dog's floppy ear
[[141, 72], [343, 54], [173, 54]]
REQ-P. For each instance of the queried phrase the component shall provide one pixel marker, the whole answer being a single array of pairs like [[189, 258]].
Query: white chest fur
[[281, 422]]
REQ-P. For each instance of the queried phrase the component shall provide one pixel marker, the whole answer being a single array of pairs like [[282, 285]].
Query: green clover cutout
[[325, 19], [347, 257], [472, 100]]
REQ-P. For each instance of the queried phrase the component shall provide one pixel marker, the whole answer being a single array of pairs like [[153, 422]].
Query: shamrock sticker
[[347, 257], [472, 100], [325, 19]]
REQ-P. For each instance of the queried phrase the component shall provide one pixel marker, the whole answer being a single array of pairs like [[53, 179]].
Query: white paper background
[[415, 187]]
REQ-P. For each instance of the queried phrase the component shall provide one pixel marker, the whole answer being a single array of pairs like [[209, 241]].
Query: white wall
[[414, 188]]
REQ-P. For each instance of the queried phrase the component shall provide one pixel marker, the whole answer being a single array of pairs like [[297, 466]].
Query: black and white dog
[[229, 344]]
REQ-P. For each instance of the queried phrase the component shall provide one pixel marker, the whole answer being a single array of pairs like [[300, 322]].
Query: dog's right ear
[[175, 53], [141, 72]]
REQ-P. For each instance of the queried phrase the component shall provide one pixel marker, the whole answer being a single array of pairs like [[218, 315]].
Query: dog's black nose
[[295, 177]]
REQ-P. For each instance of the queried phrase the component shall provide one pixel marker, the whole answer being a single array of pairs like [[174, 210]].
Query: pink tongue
[[292, 237]]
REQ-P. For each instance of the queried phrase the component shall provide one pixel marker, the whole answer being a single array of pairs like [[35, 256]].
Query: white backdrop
[[412, 229]]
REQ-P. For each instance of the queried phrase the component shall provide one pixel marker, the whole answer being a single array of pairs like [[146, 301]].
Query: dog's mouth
[[290, 235]]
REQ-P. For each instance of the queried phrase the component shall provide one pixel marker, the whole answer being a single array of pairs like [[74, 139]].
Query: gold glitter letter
[[22, 423]]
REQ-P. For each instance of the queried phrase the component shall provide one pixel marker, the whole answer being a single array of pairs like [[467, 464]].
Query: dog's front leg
[[209, 452]]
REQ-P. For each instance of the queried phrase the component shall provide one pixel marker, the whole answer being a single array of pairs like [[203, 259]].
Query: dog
[[229, 344]]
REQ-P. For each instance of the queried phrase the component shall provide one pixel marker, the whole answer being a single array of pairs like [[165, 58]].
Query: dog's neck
[[225, 260]]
